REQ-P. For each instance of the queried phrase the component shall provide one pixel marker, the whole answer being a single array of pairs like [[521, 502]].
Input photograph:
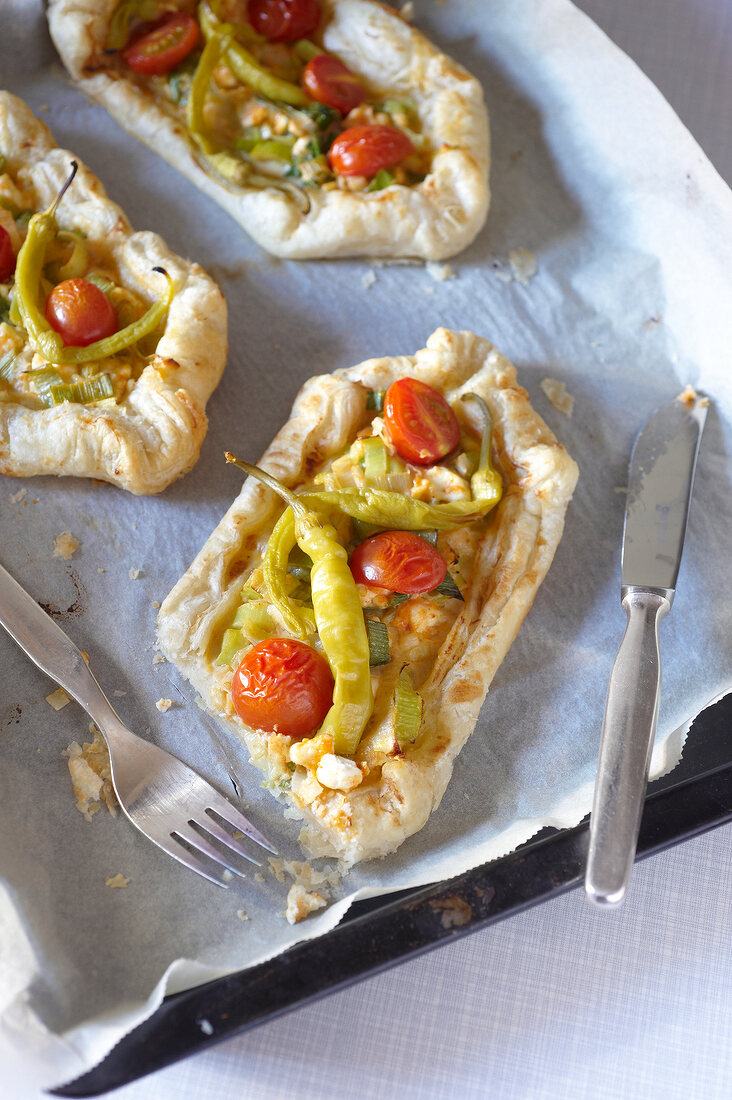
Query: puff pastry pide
[[110, 345], [429, 499], [324, 127]]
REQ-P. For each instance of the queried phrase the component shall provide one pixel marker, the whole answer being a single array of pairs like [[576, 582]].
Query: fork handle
[[53, 651]]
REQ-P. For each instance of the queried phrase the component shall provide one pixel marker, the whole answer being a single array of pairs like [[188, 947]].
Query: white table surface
[[560, 1002]]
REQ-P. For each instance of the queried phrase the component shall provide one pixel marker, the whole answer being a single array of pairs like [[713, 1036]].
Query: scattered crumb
[[300, 904], [556, 393], [44, 107], [100, 570], [65, 545], [158, 659], [206, 1027], [241, 914], [368, 279], [689, 398], [278, 868], [58, 699], [302, 873], [439, 272], [118, 694], [620, 489], [523, 265], [407, 11], [164, 704], [117, 882], [155, 603], [135, 574], [91, 776], [20, 495], [259, 877], [226, 875]]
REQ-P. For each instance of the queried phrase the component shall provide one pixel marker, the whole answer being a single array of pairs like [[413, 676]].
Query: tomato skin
[[327, 80], [399, 561], [165, 45], [421, 424], [7, 256], [283, 686], [80, 312], [284, 20], [365, 150]]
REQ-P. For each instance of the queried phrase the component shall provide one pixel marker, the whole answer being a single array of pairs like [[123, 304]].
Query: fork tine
[[223, 837], [231, 816], [190, 836], [182, 856]]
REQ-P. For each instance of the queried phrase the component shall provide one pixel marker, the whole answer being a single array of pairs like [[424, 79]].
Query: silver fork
[[162, 797]]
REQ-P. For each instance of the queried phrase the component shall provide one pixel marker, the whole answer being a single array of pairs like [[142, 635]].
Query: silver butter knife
[[660, 484]]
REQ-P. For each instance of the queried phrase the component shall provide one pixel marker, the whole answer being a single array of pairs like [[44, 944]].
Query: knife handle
[[628, 732]]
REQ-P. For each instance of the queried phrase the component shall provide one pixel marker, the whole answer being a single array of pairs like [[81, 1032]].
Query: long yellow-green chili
[[207, 62], [338, 616], [384, 508], [42, 229], [274, 571], [486, 483]]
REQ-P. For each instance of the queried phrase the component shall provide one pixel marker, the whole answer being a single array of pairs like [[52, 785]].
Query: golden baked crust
[[154, 434], [513, 556], [431, 220]]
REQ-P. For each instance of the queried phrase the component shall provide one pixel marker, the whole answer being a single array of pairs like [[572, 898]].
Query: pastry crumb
[[206, 1027], [158, 659], [407, 11], [523, 265], [259, 877], [620, 489], [368, 279], [155, 603], [439, 272], [226, 875], [164, 705], [118, 693], [16, 498], [58, 699], [117, 882], [300, 904], [241, 914], [65, 545], [556, 393], [690, 397], [135, 574], [91, 775]]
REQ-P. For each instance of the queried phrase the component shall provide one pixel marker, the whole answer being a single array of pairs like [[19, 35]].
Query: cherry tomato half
[[399, 561], [365, 150], [7, 256], [421, 424], [284, 20], [283, 686], [164, 46], [331, 82], [80, 312]]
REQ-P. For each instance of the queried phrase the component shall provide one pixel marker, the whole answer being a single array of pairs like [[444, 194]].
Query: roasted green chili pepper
[[207, 62], [486, 483], [338, 616], [274, 570], [28, 272]]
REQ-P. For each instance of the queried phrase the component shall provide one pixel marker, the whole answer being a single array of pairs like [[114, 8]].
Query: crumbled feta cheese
[[58, 699], [300, 904], [65, 545], [556, 393], [164, 704], [338, 772], [117, 881]]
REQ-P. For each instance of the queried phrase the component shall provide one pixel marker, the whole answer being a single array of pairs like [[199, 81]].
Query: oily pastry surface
[[432, 220], [154, 434], [513, 556]]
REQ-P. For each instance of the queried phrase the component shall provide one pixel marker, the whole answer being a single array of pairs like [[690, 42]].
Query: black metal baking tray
[[380, 933]]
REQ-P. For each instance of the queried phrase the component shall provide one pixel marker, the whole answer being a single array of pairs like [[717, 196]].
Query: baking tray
[[380, 933]]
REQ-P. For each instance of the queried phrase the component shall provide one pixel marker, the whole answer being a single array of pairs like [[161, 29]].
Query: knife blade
[[661, 480]]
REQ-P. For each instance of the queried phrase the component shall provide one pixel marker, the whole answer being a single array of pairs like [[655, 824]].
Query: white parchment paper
[[632, 230]]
